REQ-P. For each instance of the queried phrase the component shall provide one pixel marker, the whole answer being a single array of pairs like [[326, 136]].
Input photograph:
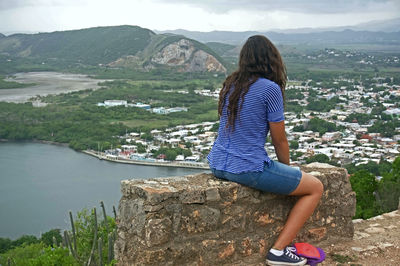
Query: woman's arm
[[279, 140]]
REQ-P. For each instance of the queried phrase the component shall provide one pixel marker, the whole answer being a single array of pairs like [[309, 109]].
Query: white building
[[111, 103]]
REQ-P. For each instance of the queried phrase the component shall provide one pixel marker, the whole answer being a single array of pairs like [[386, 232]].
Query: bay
[[40, 183]]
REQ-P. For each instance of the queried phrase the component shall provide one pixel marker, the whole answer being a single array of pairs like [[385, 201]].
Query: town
[[346, 121]]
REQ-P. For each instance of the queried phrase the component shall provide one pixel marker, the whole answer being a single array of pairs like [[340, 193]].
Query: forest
[[75, 118]]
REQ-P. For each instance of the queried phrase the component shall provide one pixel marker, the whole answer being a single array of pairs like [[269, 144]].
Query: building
[[142, 105], [111, 103]]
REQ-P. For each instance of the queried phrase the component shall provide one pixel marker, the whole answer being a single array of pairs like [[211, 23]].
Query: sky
[[195, 15]]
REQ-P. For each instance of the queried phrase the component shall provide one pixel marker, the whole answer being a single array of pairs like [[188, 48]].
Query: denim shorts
[[276, 177]]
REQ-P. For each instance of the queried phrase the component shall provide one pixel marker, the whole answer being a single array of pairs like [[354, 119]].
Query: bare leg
[[310, 189]]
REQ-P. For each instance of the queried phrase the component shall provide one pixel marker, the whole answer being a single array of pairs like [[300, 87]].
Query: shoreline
[[44, 83], [137, 162], [38, 141], [120, 160]]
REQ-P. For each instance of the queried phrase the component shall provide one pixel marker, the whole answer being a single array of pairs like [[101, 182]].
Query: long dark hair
[[258, 58]]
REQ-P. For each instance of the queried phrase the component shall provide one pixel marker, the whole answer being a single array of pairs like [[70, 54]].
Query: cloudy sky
[[200, 15]]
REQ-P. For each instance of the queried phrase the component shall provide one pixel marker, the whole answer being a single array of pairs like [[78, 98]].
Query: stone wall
[[200, 220]]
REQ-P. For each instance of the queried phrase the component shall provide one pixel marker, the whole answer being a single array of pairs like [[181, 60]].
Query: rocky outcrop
[[201, 220], [184, 55], [165, 51], [376, 241]]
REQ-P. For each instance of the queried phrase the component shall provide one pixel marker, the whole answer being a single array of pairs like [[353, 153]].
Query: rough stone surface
[[375, 242], [201, 220], [184, 54]]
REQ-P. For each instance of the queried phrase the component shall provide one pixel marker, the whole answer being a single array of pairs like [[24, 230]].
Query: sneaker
[[287, 258]]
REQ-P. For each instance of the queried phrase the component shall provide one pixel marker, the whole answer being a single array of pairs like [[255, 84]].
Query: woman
[[250, 106]]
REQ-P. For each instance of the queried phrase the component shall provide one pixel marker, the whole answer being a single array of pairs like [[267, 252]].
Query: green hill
[[116, 46], [220, 48], [91, 46]]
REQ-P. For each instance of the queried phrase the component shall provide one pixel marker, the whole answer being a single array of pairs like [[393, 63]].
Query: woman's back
[[242, 149], [238, 154]]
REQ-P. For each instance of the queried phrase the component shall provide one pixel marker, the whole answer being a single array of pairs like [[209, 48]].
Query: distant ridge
[[325, 37], [220, 48], [115, 46], [390, 25]]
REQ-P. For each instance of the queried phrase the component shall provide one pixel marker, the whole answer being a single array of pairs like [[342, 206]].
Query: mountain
[[221, 48], [117, 46], [312, 38], [2, 35], [229, 37], [176, 51], [389, 25]]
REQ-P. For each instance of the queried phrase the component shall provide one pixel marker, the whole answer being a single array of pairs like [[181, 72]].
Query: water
[[46, 83], [40, 183]]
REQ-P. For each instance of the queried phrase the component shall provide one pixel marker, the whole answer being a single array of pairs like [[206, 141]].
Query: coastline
[[37, 141], [120, 160], [163, 164]]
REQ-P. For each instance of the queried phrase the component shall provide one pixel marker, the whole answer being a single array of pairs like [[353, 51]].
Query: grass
[[211, 115], [389, 69], [342, 258], [294, 83], [148, 123], [13, 85]]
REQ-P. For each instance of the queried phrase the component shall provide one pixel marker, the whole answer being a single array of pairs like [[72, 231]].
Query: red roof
[[366, 136]]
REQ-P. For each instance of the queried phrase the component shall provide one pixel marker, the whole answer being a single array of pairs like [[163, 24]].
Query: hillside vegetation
[[115, 47], [91, 46]]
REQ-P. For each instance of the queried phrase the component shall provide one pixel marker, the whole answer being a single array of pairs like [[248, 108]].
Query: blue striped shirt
[[242, 150]]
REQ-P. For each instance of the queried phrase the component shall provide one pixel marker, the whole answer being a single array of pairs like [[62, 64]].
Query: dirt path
[[376, 241]]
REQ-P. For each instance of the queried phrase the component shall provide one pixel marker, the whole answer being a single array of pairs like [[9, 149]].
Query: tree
[[5, 244], [171, 155], [295, 155], [320, 125], [294, 144], [47, 238], [389, 188], [215, 127], [365, 185], [356, 142], [147, 136], [25, 239], [321, 158]]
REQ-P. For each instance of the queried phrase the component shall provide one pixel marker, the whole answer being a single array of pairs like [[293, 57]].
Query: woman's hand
[[279, 140]]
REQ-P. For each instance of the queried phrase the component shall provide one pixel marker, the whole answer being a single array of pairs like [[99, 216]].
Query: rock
[[263, 219], [200, 220], [374, 225], [157, 231], [385, 245], [374, 230], [379, 217], [360, 235], [392, 214], [390, 227], [184, 54], [358, 249], [212, 194], [319, 165], [314, 173], [192, 196], [226, 252], [318, 233]]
